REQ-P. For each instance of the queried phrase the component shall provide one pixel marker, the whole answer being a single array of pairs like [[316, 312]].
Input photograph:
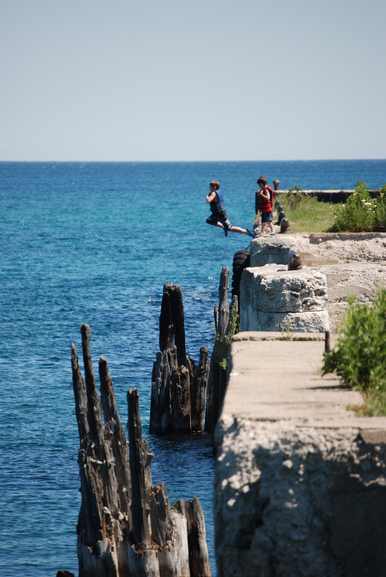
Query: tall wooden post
[[177, 308], [217, 375], [166, 329], [115, 433], [223, 312], [178, 393], [139, 503], [198, 389], [198, 550]]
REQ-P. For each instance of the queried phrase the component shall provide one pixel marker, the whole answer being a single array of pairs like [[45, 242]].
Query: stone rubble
[[352, 263]]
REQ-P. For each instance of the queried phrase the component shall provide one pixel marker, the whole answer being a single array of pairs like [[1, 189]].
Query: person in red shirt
[[265, 204]]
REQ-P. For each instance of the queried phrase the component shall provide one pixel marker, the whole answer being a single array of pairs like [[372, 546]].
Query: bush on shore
[[361, 213], [359, 356]]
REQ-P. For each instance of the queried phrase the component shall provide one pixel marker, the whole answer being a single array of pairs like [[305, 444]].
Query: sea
[[95, 243]]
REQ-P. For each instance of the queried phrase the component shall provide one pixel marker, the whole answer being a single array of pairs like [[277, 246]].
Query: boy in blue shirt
[[219, 216]]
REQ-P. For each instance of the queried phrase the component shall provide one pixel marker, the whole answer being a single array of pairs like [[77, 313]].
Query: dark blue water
[[90, 243]]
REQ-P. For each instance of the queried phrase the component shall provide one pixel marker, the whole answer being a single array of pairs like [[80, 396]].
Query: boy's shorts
[[223, 218], [266, 216]]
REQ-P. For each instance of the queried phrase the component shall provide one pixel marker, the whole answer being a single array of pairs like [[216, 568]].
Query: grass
[[374, 405], [361, 213], [307, 214]]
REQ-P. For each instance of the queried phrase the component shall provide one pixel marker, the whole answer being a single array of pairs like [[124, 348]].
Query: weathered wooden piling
[[218, 374], [198, 554], [178, 386], [103, 521], [139, 489], [126, 526], [141, 554], [198, 390], [115, 433], [222, 315], [172, 322]]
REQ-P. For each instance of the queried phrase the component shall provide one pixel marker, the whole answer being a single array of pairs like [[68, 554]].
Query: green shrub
[[380, 210], [294, 198], [361, 213], [359, 356]]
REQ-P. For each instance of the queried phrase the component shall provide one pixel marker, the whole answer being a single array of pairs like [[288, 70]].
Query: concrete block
[[276, 289], [272, 249], [272, 296], [312, 322]]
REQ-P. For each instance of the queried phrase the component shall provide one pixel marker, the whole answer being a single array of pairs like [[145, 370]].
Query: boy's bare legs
[[232, 228], [263, 226], [238, 229], [226, 230], [220, 225]]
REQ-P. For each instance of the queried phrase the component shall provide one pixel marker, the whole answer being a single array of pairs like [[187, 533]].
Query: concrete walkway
[[271, 379]]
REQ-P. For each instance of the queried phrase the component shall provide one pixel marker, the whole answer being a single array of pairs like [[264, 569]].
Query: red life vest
[[266, 205]]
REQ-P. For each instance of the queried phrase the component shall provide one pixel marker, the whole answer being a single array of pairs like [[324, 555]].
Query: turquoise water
[[90, 243]]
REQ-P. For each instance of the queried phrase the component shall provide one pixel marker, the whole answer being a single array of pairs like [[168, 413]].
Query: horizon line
[[189, 161]]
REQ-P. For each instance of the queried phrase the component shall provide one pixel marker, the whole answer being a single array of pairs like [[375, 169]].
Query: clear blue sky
[[132, 80]]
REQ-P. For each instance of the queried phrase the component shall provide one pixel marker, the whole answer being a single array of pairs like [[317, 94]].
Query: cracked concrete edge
[[277, 336]]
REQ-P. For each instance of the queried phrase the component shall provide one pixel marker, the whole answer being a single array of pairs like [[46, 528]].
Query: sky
[[192, 80]]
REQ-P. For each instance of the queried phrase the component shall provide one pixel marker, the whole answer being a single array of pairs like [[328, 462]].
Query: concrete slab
[[271, 379]]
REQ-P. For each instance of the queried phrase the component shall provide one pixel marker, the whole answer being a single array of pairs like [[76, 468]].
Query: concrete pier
[[332, 195], [300, 481]]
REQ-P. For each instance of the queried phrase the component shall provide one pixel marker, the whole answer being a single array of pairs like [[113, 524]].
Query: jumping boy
[[265, 204], [219, 215]]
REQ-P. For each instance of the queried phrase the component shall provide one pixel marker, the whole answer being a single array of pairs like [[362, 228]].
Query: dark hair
[[215, 184], [262, 180]]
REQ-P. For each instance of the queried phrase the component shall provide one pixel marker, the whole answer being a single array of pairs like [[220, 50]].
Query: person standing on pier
[[219, 216], [265, 205]]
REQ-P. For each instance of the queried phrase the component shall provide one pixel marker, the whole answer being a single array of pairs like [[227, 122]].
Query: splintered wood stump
[[217, 381], [103, 520], [139, 490], [126, 526], [198, 551], [172, 322], [223, 310], [198, 391], [142, 556], [178, 388], [115, 434]]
